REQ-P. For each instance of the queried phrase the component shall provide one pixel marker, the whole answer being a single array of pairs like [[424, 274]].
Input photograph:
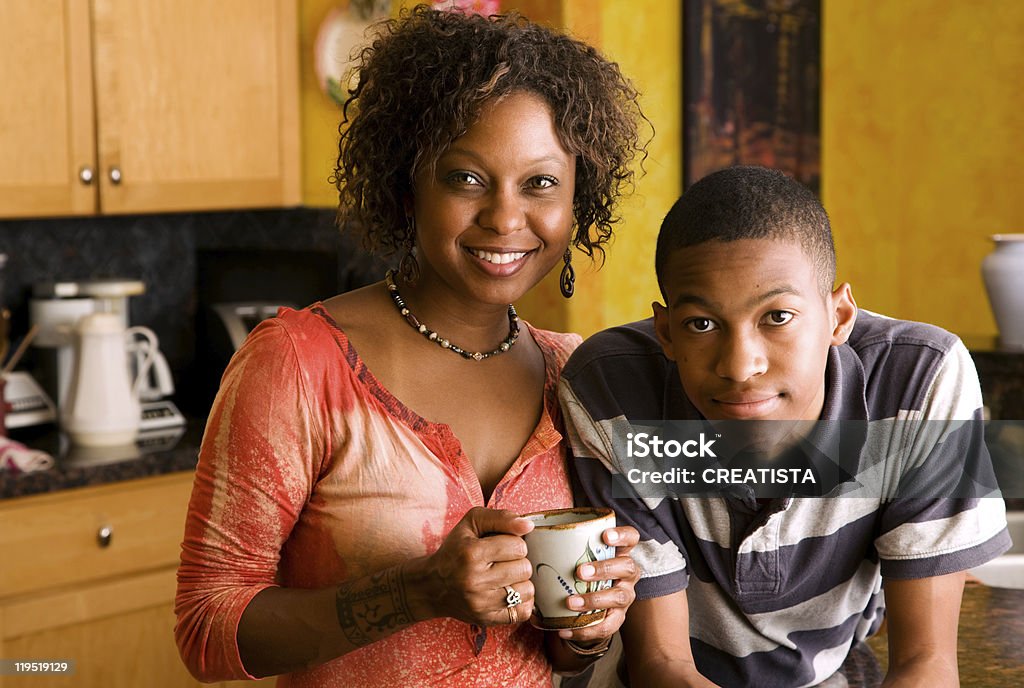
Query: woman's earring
[[567, 280], [409, 267]]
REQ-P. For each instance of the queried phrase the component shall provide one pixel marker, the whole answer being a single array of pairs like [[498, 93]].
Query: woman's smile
[[500, 263]]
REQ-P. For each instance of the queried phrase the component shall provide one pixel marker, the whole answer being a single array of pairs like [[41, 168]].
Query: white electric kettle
[[102, 406]]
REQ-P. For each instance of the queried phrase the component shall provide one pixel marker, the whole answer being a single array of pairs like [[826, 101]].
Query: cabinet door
[[46, 109], [197, 104], [120, 634]]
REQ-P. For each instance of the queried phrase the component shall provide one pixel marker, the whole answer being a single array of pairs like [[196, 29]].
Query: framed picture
[[751, 86]]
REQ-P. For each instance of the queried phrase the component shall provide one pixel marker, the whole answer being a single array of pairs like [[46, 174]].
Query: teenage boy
[[777, 591]]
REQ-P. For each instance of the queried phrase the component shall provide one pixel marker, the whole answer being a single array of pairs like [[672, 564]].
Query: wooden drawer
[[54, 540]]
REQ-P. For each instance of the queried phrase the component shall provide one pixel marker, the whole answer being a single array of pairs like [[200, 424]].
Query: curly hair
[[422, 83]]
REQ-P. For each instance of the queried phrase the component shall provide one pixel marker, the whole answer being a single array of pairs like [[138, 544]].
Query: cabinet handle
[[104, 535], [115, 175], [85, 174]]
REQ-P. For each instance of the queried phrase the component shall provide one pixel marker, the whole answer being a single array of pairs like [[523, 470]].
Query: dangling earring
[[409, 267], [567, 280]]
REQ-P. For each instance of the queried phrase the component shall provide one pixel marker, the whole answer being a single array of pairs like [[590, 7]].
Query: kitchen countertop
[[1001, 372], [990, 653], [168, 453], [989, 650]]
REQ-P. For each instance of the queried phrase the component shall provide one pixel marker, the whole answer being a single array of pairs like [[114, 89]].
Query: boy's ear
[[844, 313], [662, 329]]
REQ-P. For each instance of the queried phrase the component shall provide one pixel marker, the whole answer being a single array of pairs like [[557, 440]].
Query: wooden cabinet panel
[[52, 540], [118, 633], [197, 103], [46, 109], [193, 103], [111, 611]]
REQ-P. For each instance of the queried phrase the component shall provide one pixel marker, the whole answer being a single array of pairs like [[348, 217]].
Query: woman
[[354, 517]]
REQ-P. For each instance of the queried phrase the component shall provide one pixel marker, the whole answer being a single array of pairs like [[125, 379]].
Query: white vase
[[1003, 272]]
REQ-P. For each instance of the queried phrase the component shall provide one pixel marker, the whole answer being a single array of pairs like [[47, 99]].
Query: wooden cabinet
[[118, 633], [126, 106], [47, 127], [89, 575]]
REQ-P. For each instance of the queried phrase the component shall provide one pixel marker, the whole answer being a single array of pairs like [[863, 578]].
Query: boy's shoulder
[[633, 344], [623, 371], [874, 331], [904, 366]]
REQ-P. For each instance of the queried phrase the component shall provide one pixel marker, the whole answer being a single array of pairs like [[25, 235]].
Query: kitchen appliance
[[239, 318], [238, 288], [222, 327], [102, 405], [56, 318], [57, 307], [27, 403]]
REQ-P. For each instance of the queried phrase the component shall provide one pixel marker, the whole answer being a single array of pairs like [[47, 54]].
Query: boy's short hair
[[748, 202]]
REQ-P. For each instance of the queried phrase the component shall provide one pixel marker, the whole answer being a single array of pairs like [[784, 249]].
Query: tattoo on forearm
[[372, 607]]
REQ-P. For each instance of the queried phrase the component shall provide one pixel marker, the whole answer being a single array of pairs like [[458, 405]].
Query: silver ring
[[512, 597]]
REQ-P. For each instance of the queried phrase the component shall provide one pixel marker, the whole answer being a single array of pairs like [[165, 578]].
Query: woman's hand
[[466, 577], [623, 572]]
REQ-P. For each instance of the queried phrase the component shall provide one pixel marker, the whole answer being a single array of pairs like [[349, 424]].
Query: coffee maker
[[24, 401], [56, 307]]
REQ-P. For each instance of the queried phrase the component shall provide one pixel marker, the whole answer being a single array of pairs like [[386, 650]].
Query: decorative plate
[[340, 36]]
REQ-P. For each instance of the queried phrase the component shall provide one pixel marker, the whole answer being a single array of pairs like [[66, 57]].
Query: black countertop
[[990, 652], [157, 454], [1001, 372]]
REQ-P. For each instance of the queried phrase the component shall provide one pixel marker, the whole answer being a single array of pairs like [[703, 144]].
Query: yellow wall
[[320, 116], [922, 126], [923, 135], [643, 36]]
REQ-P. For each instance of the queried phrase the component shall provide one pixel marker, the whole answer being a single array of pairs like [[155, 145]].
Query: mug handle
[[149, 351]]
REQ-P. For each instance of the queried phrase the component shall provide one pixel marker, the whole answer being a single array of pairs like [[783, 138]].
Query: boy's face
[[749, 328]]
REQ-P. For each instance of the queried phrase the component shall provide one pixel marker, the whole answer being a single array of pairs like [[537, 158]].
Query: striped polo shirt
[[778, 595]]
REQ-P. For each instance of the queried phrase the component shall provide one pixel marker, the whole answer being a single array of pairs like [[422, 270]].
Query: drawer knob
[[85, 175], [115, 175], [104, 535]]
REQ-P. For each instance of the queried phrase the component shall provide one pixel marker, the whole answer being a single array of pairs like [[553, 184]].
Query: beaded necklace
[[506, 344]]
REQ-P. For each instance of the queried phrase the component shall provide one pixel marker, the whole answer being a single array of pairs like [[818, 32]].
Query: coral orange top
[[311, 473]]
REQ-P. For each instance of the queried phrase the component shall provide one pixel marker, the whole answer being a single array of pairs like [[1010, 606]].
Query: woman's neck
[[468, 323]]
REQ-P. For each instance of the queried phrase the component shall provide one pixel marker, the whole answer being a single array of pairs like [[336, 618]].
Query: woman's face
[[495, 215]]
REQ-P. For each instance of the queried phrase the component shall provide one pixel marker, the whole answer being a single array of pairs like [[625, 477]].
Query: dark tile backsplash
[[164, 251]]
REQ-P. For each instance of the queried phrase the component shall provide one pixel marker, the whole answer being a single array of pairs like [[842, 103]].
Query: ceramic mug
[[562, 540]]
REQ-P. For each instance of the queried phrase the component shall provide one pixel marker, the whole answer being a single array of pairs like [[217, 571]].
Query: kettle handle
[[149, 352]]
